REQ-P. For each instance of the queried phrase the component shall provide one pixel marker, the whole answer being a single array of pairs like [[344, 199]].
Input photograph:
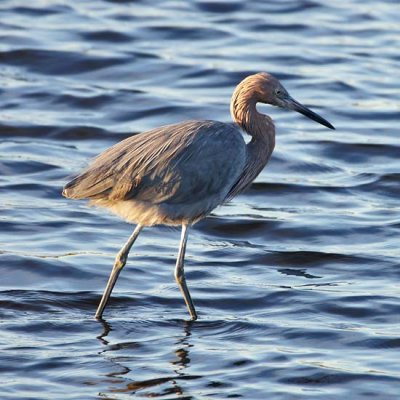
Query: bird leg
[[119, 263], [180, 273]]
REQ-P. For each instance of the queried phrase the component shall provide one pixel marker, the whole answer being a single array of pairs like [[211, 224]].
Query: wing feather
[[169, 164]]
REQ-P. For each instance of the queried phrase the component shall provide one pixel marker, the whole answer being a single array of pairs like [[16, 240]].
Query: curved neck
[[259, 126], [244, 112]]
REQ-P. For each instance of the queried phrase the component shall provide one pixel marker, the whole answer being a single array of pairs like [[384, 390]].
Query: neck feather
[[260, 127], [244, 112]]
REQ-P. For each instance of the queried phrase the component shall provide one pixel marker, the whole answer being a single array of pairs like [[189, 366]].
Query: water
[[296, 281]]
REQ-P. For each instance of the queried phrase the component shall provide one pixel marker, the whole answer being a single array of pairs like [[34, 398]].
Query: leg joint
[[179, 275], [120, 261]]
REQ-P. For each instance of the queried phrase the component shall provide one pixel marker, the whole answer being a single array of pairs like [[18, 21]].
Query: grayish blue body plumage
[[173, 174]]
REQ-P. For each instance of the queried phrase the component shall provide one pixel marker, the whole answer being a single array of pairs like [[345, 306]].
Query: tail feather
[[87, 185], [71, 190]]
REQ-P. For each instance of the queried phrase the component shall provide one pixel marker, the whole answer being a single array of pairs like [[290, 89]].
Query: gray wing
[[174, 164]]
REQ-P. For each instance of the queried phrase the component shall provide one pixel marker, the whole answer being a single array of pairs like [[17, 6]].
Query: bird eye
[[278, 92]]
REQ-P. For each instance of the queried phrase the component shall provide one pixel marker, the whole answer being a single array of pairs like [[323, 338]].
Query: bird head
[[269, 90]]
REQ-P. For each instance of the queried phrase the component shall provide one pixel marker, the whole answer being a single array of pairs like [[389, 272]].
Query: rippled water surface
[[296, 281]]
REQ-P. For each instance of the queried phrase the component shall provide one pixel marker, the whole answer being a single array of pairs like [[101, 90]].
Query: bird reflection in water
[[125, 384]]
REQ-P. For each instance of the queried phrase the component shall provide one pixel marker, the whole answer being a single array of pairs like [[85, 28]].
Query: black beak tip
[[296, 106], [330, 126]]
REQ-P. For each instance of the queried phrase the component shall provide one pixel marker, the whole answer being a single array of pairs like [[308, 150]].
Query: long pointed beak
[[294, 105]]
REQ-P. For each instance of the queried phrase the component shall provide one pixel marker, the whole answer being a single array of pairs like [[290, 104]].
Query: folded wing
[[170, 164]]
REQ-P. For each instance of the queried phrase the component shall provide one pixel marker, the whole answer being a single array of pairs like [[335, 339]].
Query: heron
[[178, 174]]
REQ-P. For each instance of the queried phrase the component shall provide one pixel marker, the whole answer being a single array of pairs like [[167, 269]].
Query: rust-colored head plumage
[[265, 88]]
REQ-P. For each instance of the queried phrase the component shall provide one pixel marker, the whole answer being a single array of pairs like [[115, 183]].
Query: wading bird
[[177, 174]]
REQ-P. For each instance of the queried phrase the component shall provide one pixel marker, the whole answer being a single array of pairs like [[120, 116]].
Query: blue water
[[296, 281]]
